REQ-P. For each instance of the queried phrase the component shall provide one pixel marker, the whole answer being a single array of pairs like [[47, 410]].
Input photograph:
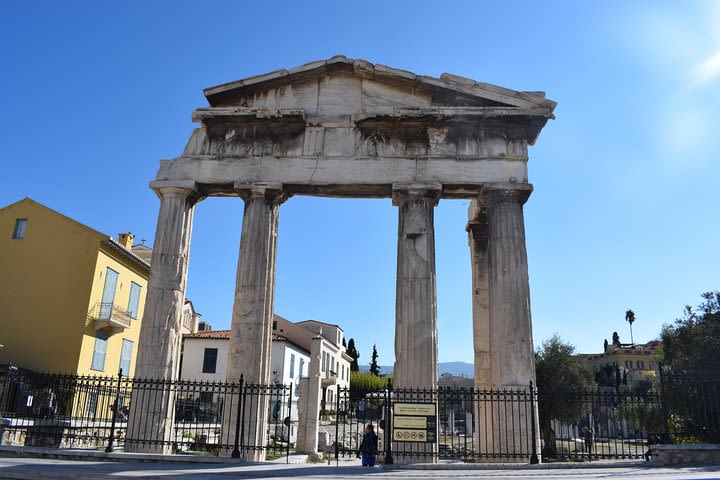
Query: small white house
[[205, 354]]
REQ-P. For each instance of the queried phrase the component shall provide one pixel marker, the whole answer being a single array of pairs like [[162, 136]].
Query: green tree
[[693, 342], [362, 383], [352, 352], [560, 376], [691, 350], [374, 368], [630, 318]]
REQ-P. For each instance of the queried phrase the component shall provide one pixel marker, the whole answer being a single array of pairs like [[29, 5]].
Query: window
[[641, 365], [210, 360], [134, 302], [19, 231], [125, 356], [628, 364], [292, 366], [324, 360], [302, 366], [108, 296], [98, 360]]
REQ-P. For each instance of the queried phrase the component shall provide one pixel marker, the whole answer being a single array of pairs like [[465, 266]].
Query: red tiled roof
[[222, 334], [225, 335]]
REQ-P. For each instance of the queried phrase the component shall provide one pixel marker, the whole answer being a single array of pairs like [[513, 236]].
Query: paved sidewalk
[[44, 469]]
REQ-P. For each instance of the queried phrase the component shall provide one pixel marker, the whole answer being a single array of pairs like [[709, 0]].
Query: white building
[[334, 360], [205, 354]]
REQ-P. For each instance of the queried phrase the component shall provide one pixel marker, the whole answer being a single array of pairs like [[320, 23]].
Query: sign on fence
[[415, 422]]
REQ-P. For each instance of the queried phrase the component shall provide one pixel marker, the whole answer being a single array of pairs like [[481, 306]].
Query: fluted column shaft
[[251, 334], [512, 358], [416, 298], [505, 356], [478, 240], [158, 354]]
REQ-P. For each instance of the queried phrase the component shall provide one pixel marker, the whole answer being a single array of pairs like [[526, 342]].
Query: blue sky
[[624, 213]]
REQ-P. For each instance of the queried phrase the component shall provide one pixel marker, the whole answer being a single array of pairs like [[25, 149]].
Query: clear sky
[[624, 213]]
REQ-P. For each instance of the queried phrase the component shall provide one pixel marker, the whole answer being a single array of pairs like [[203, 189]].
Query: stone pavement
[[42, 469]]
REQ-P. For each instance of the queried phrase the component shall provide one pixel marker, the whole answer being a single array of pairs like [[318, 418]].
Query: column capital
[[401, 192], [176, 188], [268, 190], [504, 192]]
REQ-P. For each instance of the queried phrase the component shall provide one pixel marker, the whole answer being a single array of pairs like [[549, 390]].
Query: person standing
[[369, 445], [589, 437]]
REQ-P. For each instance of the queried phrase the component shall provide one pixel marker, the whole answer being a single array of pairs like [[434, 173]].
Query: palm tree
[[630, 318]]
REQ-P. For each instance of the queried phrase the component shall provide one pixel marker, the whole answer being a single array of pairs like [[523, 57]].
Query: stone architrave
[[251, 334], [512, 363], [160, 336], [416, 300]]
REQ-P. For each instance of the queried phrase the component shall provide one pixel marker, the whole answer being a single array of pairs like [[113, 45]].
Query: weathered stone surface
[[708, 454], [160, 335], [504, 356], [416, 298], [309, 403], [509, 290], [250, 338], [348, 128]]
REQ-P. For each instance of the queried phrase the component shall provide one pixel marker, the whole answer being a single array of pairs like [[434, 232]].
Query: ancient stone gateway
[[348, 128]]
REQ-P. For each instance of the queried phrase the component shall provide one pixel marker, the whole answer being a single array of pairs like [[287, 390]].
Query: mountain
[[453, 368]]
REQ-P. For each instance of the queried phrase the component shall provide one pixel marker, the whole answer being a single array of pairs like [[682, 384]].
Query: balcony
[[328, 378], [109, 315]]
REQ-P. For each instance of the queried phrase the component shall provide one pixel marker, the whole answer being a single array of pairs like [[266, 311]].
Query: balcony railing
[[110, 315], [329, 378]]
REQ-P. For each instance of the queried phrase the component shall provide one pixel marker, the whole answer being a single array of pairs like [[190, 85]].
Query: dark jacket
[[369, 443]]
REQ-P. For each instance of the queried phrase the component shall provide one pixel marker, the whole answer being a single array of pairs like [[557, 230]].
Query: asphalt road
[[32, 468]]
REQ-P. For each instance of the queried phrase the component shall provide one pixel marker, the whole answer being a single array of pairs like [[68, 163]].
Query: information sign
[[415, 422]]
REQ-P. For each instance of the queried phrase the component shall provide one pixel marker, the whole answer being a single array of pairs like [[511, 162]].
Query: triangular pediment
[[345, 86]]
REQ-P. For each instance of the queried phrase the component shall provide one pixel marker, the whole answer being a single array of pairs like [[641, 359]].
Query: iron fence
[[692, 405], [415, 425], [500, 425], [75, 411]]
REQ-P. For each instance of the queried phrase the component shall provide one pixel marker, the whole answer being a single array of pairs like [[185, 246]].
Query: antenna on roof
[[142, 241]]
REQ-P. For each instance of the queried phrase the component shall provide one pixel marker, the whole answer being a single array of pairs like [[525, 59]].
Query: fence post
[[663, 403], [388, 424], [109, 448], [236, 450], [337, 425], [534, 460], [289, 424]]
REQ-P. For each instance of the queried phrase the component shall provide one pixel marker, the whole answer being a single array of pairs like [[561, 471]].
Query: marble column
[[416, 298], [512, 362], [158, 354], [478, 240], [509, 289], [251, 334]]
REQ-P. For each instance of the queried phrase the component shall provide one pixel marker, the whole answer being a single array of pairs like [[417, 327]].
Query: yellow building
[[636, 360], [71, 298]]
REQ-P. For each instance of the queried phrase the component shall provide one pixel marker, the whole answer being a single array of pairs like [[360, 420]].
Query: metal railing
[[692, 405], [73, 411], [110, 314], [523, 424]]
